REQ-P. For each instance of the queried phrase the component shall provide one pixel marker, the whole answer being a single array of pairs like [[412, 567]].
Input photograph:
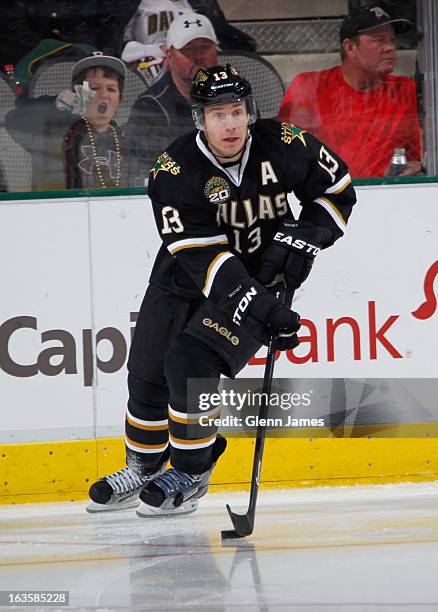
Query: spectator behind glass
[[93, 144], [359, 109], [71, 152], [164, 112], [99, 23], [146, 32]]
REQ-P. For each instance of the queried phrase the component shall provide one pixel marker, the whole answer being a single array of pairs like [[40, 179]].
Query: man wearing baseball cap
[[360, 109], [163, 112]]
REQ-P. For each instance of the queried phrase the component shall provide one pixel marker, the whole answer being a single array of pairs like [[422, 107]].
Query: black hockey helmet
[[218, 85]]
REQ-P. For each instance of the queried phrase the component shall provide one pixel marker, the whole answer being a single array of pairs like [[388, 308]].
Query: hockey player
[[219, 200]]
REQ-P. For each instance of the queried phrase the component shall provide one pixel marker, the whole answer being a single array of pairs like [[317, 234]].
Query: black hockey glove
[[295, 246], [261, 315]]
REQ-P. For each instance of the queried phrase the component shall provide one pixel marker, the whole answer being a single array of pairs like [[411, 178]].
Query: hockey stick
[[244, 523]]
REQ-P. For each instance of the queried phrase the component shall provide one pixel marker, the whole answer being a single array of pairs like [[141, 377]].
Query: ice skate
[[120, 490], [174, 492]]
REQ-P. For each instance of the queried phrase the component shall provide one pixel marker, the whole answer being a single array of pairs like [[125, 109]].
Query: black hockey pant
[[175, 342]]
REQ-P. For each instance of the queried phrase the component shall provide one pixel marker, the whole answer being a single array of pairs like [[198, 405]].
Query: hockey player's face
[[226, 128], [375, 52], [105, 104], [184, 63]]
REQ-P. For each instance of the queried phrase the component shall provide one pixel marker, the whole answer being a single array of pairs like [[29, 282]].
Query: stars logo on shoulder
[[165, 163], [289, 132]]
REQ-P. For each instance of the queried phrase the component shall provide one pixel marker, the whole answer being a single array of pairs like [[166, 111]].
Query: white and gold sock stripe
[[146, 436], [146, 425], [193, 417], [202, 436], [145, 448], [192, 444]]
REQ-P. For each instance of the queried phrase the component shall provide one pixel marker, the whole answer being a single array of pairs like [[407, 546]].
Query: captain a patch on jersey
[[217, 190]]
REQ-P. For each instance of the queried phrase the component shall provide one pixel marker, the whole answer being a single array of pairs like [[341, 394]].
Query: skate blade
[[128, 504], [145, 511]]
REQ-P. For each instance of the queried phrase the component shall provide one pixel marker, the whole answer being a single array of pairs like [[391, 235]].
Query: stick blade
[[243, 526], [230, 534]]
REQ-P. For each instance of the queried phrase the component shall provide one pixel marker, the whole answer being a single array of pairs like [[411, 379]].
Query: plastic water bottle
[[398, 162]]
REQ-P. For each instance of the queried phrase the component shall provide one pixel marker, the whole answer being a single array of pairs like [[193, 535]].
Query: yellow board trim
[[62, 471]]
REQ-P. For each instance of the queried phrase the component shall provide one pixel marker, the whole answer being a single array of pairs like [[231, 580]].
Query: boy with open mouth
[[92, 147], [73, 138]]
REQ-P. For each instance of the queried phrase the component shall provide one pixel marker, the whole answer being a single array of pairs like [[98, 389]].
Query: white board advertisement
[[74, 273]]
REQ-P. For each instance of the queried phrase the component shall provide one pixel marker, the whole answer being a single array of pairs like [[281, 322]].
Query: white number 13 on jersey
[[254, 240], [171, 221], [329, 163]]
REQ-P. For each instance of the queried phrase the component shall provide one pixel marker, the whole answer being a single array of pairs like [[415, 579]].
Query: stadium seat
[[15, 161], [266, 82]]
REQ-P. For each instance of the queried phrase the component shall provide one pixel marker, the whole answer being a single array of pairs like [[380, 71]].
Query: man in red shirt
[[359, 109]]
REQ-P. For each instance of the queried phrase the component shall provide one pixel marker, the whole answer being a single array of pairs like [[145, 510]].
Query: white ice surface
[[347, 548]]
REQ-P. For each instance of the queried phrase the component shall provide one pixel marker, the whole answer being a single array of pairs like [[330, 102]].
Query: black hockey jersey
[[216, 222]]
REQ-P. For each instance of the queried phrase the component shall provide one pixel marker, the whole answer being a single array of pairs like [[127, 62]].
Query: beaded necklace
[[96, 161]]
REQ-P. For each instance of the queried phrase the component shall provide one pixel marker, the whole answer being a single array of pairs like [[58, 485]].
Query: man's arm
[[412, 169], [29, 123]]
